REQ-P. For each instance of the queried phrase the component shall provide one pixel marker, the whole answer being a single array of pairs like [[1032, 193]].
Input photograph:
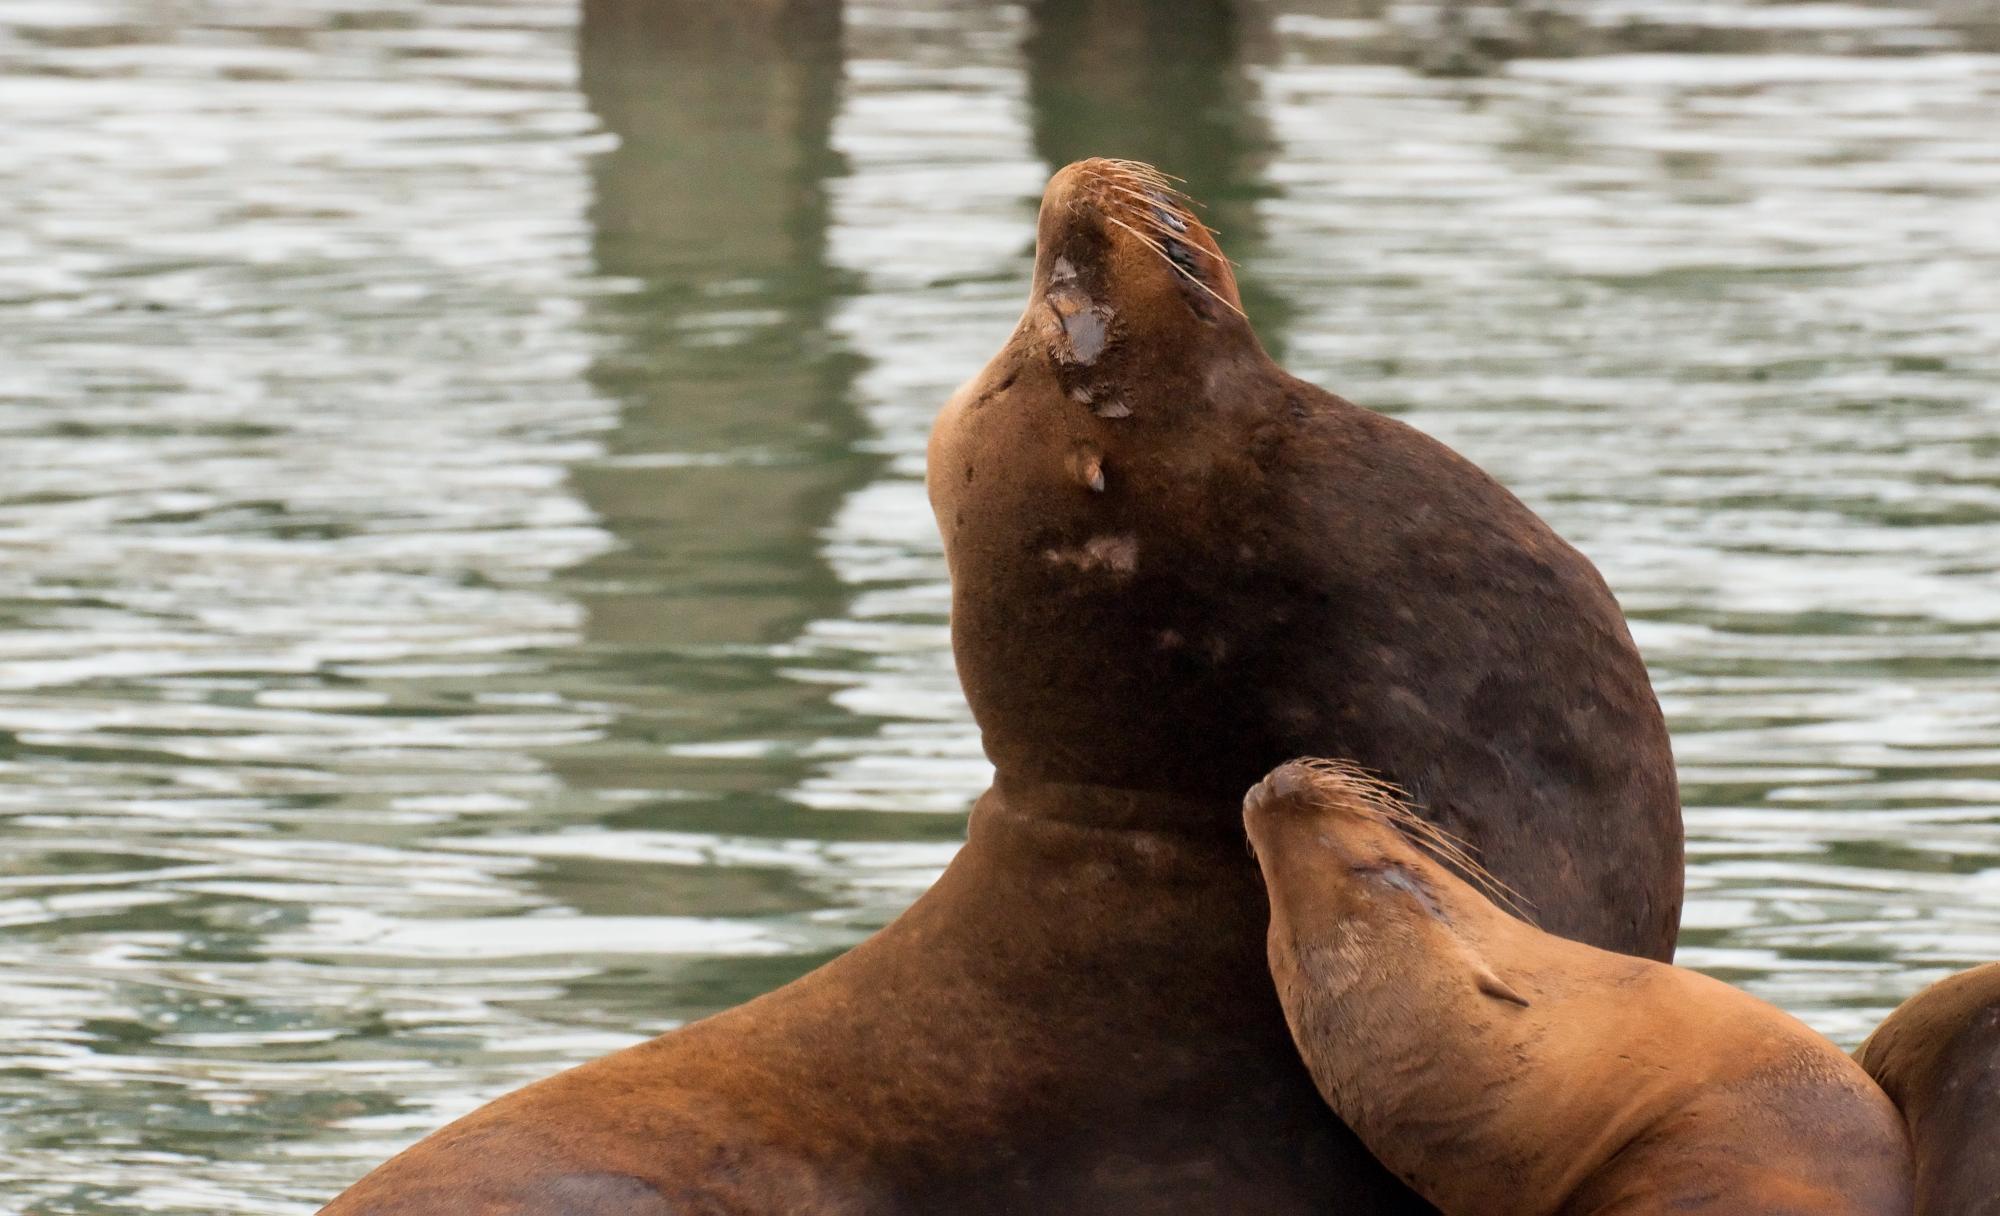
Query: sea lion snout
[[1334, 838], [1327, 793], [1281, 789], [1322, 844], [1283, 804], [1118, 232]]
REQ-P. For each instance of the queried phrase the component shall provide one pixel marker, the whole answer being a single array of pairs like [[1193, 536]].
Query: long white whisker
[[1155, 246]]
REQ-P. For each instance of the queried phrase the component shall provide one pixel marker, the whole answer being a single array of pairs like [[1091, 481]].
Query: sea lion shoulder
[[1938, 1058]]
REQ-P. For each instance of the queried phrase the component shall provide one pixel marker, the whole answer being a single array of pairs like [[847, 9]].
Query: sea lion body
[[1173, 565], [1269, 571], [1503, 1071], [1097, 1055], [1938, 1058]]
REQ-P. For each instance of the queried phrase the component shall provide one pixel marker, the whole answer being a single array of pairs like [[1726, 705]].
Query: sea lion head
[[1098, 487], [1624, 1085], [1126, 273], [1362, 888]]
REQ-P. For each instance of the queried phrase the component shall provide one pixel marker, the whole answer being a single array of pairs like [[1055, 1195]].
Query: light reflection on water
[[467, 600]]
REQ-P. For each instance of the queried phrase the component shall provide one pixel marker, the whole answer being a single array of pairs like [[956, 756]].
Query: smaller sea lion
[[1938, 1059], [1502, 1071]]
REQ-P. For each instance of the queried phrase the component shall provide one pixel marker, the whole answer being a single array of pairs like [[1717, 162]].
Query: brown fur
[[1173, 565], [1938, 1058], [1270, 571], [1502, 1071]]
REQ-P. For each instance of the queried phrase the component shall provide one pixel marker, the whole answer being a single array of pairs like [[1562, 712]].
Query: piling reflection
[[710, 218], [735, 437]]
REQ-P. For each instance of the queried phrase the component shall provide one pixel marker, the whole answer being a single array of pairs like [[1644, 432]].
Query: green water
[[466, 596]]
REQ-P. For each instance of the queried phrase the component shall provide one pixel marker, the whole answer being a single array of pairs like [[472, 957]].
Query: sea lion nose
[[1071, 185], [1258, 800], [1289, 782], [1280, 786]]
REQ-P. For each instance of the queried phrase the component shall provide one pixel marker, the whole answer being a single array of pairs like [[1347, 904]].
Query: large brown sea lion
[[1503, 1071], [1938, 1058], [1173, 566]]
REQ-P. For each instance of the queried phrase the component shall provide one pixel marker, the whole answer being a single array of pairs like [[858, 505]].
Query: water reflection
[[735, 438], [933, 224], [285, 401], [735, 434]]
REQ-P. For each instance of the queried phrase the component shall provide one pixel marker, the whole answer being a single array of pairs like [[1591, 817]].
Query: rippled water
[[466, 598]]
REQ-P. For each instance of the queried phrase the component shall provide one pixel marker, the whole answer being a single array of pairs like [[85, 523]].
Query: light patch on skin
[[1392, 874], [1082, 325], [1115, 554], [1086, 464]]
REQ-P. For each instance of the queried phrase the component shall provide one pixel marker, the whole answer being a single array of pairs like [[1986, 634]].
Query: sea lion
[[1503, 1071], [1173, 565], [1938, 1059]]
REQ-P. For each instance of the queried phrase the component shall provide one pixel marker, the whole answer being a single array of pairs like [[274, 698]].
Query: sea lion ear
[[1493, 986], [1484, 978]]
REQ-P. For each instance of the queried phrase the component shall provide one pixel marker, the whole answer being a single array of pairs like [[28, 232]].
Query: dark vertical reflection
[[735, 437], [715, 203], [1163, 81]]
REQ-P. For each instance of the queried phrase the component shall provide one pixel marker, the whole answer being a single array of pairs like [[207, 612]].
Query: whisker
[[1152, 174], [1157, 197], [1156, 247], [1391, 804], [1152, 205], [1137, 174], [1149, 203]]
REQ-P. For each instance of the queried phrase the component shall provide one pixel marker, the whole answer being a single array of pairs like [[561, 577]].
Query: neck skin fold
[[1113, 808]]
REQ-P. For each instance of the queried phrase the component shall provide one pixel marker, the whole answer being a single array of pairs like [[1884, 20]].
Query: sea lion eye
[[1393, 875], [1180, 255], [1170, 222]]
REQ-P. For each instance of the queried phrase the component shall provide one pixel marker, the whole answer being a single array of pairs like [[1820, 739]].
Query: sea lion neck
[[1175, 566], [1099, 490], [1114, 808]]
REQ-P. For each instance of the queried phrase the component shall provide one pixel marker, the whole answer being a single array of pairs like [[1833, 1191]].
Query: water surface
[[466, 596]]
